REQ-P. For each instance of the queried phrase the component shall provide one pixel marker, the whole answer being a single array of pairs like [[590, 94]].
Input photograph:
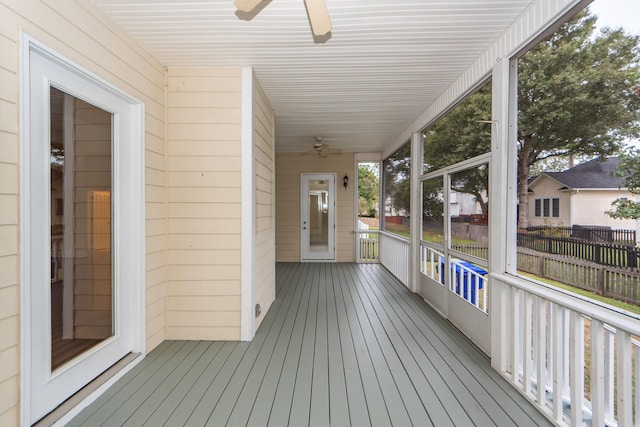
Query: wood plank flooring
[[343, 344]]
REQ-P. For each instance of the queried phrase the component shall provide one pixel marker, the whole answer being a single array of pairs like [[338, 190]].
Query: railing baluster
[[558, 362], [597, 373], [576, 367], [636, 352], [517, 336], [624, 384], [526, 359], [609, 384], [540, 350]]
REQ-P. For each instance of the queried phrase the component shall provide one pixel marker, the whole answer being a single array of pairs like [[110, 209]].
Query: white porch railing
[[467, 281], [430, 263], [367, 246], [394, 255], [577, 361]]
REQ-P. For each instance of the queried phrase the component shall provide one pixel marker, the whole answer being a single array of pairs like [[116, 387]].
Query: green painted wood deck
[[343, 344]]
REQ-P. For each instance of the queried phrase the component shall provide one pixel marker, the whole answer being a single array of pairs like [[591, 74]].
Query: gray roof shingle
[[595, 173]]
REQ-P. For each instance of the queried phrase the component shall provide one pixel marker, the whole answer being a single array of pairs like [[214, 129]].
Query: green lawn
[[619, 304], [428, 236]]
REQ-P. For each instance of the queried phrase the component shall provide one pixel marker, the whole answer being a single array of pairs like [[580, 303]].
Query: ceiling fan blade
[[318, 16], [246, 5]]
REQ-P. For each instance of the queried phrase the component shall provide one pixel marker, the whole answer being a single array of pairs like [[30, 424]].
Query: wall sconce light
[[345, 181]]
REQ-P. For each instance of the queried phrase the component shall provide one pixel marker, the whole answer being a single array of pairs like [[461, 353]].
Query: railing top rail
[[468, 257], [363, 231], [431, 245], [626, 321], [395, 236]]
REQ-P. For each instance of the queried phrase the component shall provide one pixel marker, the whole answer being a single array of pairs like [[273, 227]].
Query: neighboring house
[[578, 196], [464, 204]]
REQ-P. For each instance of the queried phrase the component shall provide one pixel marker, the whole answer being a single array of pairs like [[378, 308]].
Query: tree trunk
[[483, 203], [523, 183]]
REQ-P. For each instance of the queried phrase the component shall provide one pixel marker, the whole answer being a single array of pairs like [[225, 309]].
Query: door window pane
[[469, 211], [433, 211], [81, 236], [318, 216]]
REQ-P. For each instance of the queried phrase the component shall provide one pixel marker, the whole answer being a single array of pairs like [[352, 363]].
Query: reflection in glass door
[[318, 217], [80, 235]]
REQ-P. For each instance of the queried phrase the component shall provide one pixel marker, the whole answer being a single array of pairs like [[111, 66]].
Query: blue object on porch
[[468, 280]]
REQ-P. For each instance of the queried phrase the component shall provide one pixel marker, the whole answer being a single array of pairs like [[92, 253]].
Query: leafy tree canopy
[[397, 179], [368, 189], [578, 94], [629, 170]]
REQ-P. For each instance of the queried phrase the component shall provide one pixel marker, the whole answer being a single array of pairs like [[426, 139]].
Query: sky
[[618, 13]]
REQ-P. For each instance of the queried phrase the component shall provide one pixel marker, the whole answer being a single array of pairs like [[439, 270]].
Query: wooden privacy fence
[[614, 255], [478, 251], [618, 283], [585, 232]]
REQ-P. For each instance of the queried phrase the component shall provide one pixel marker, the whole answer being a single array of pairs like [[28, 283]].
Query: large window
[[463, 133], [397, 191], [578, 114], [547, 207]]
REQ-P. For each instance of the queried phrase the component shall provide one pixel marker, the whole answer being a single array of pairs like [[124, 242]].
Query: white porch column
[[502, 206], [416, 210]]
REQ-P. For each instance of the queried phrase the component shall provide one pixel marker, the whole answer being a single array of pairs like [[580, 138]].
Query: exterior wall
[[589, 208], [548, 188], [289, 166], [264, 169], [205, 206], [83, 34]]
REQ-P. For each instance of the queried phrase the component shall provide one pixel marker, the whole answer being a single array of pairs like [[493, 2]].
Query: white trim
[[499, 207], [460, 166], [25, 232], [132, 153], [248, 319], [331, 254], [417, 159]]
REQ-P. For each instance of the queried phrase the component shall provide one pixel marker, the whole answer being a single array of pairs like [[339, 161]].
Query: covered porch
[[343, 344]]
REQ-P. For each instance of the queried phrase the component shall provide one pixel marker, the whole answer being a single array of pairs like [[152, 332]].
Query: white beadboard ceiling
[[385, 62]]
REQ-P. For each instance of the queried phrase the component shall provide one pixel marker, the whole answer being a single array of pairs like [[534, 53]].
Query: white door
[[454, 261], [318, 233], [83, 261]]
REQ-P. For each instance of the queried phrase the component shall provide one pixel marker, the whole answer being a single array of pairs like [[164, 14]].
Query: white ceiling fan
[[321, 149], [316, 9]]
